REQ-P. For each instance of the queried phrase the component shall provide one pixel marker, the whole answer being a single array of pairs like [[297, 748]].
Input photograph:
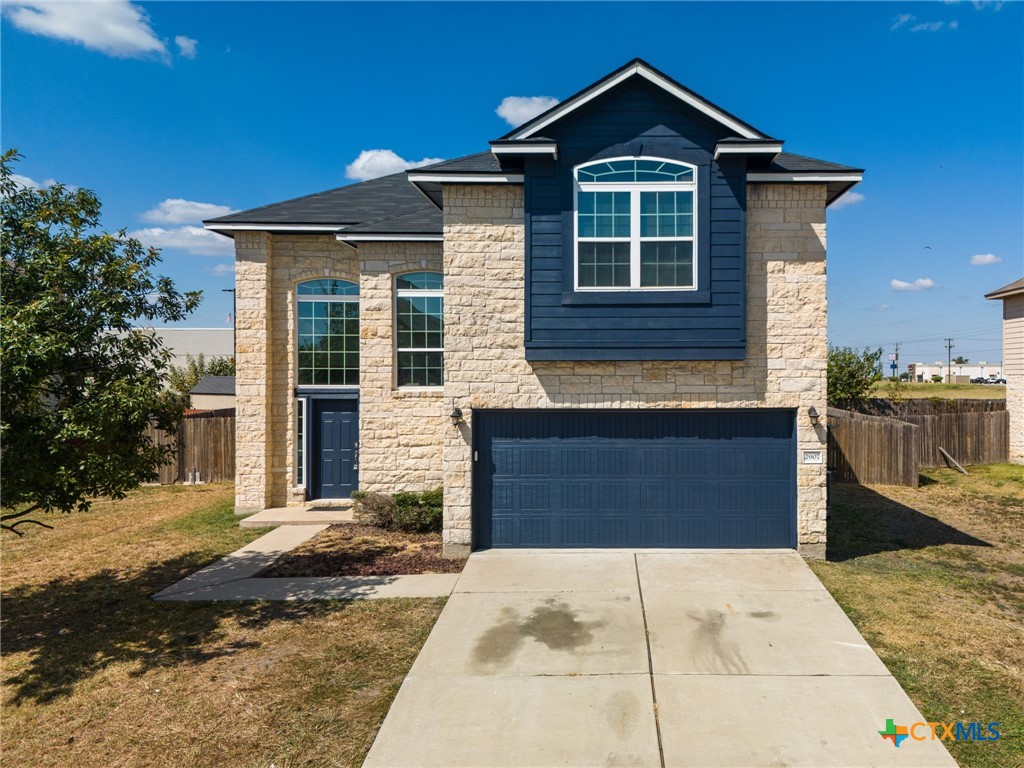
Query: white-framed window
[[327, 333], [300, 441], [636, 225], [419, 329]]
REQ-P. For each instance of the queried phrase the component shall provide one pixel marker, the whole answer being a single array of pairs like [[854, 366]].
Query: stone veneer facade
[[486, 366], [400, 431], [406, 439]]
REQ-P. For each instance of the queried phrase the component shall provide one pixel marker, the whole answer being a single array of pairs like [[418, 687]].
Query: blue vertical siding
[[706, 324]]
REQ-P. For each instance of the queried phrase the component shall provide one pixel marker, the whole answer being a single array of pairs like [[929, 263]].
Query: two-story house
[[608, 330]]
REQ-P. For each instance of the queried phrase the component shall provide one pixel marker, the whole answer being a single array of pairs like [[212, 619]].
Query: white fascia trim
[[356, 238], [741, 149], [526, 149], [637, 69], [808, 177], [469, 178], [276, 227]]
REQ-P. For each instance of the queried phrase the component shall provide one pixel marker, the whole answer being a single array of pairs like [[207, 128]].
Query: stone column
[[252, 401]]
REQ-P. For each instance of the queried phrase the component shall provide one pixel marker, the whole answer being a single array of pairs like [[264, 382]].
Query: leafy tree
[[81, 381], [851, 375], [182, 378], [960, 360]]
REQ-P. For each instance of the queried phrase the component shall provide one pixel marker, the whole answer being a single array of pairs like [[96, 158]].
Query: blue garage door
[[634, 478]]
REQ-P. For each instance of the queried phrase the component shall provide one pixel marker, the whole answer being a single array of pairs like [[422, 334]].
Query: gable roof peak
[[633, 68]]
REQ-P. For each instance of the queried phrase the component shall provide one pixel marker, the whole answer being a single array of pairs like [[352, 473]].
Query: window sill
[[418, 392], [639, 296]]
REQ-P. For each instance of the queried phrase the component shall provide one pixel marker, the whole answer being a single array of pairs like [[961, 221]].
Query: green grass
[[949, 391], [96, 674], [934, 579]]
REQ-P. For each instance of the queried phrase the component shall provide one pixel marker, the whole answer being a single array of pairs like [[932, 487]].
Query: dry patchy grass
[[96, 674], [920, 390], [934, 579]]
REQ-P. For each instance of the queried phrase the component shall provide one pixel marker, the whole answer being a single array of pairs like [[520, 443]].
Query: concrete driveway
[[616, 658]]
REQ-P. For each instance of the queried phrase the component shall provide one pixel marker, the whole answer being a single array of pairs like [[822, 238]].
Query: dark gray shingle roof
[[366, 201], [214, 385], [785, 162], [424, 221], [481, 162]]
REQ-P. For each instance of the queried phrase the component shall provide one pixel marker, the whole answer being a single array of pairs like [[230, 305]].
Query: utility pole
[[949, 361], [897, 346]]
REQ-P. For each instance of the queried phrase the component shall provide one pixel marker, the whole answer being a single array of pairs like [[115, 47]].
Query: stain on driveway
[[554, 624]]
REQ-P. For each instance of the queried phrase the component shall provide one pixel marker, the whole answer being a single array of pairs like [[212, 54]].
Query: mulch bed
[[353, 549]]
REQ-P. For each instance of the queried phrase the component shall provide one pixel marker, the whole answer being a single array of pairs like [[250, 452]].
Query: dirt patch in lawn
[[353, 549], [934, 579]]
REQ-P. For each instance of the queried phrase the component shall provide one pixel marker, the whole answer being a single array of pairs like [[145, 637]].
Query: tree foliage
[[851, 374], [960, 360], [182, 378], [81, 380]]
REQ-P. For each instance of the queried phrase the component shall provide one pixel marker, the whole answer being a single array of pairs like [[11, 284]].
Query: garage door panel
[[634, 478]]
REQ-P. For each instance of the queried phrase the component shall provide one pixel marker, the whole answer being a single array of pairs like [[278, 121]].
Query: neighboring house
[[1012, 296], [213, 393], [191, 342], [607, 330]]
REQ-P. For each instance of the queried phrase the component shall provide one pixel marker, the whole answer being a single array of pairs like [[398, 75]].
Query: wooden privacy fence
[[872, 449], [206, 448], [891, 449]]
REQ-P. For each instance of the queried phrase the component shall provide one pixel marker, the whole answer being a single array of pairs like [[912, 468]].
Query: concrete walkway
[[649, 659], [231, 578], [297, 516]]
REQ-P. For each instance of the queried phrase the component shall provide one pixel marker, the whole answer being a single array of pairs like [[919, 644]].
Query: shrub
[[896, 390], [851, 375], [374, 509], [409, 512], [419, 512]]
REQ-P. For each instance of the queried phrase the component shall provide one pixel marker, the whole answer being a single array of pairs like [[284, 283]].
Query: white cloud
[[983, 259], [900, 20], [850, 198], [931, 26], [954, 24], [114, 27], [25, 181], [921, 284], [373, 163], [516, 110], [222, 270], [174, 210], [186, 46], [194, 240]]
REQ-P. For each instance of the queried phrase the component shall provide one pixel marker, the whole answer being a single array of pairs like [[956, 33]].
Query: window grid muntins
[[635, 226], [328, 333], [419, 329]]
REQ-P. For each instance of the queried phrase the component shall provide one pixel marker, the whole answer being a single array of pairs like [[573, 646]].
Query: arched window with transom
[[636, 225], [327, 333]]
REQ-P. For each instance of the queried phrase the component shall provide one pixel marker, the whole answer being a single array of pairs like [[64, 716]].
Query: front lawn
[[96, 674], [934, 579]]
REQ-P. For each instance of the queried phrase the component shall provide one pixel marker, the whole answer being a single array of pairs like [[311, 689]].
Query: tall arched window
[[419, 329], [328, 333], [636, 225]]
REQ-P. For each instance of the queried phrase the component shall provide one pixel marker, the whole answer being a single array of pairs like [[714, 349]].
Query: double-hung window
[[636, 225], [328, 333], [419, 329]]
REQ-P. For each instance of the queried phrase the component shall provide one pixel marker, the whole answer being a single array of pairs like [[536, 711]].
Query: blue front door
[[335, 465]]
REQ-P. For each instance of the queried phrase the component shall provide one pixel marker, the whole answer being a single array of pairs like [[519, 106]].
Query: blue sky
[[159, 107]]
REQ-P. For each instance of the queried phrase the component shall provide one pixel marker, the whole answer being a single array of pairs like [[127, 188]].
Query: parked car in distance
[[979, 380]]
